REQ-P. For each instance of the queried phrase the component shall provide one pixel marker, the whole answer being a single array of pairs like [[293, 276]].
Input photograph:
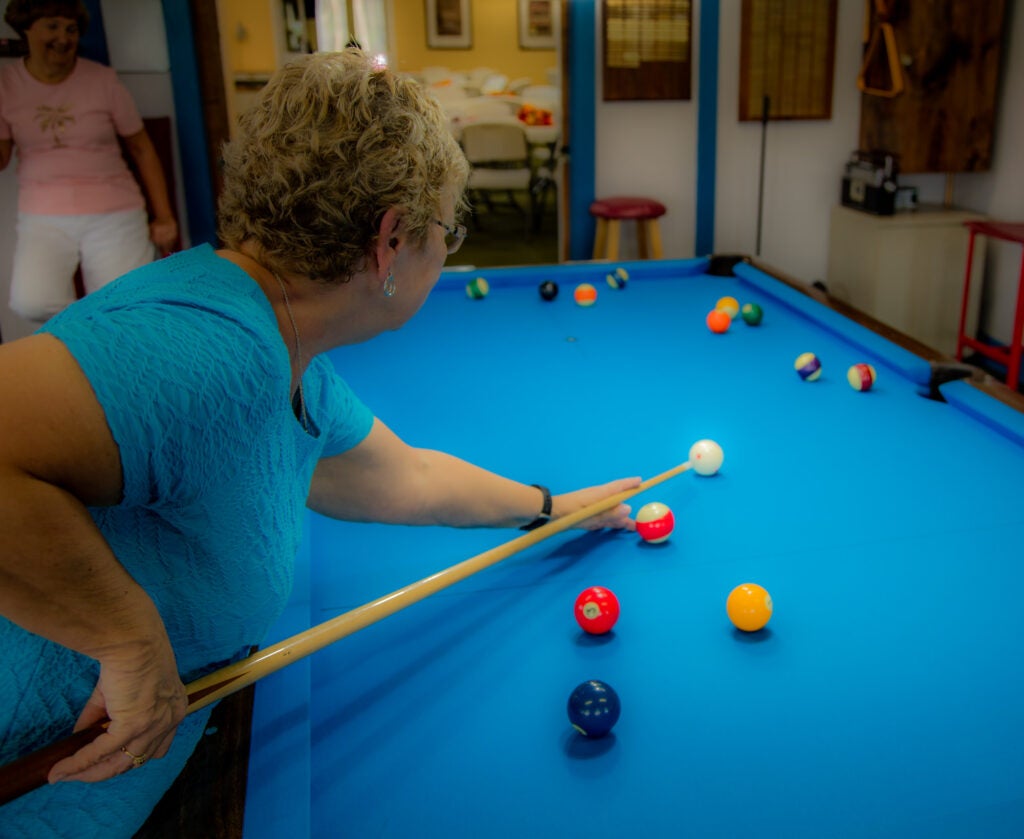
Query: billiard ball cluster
[[860, 376], [594, 706], [807, 365], [585, 294], [720, 318]]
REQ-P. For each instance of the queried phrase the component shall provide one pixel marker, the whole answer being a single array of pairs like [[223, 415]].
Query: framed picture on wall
[[449, 25], [538, 24]]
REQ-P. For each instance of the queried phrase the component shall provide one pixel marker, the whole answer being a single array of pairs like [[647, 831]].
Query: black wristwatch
[[545, 510]]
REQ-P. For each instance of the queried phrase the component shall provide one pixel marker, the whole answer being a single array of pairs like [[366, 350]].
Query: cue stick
[[765, 106], [29, 772]]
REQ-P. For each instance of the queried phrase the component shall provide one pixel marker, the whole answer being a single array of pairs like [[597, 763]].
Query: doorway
[[253, 45]]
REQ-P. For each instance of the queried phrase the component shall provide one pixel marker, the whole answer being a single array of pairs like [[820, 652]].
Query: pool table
[[885, 698]]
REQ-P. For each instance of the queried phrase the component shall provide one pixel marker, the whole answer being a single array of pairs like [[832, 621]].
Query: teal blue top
[[186, 360]]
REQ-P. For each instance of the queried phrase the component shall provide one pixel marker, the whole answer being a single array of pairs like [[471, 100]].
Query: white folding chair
[[500, 159]]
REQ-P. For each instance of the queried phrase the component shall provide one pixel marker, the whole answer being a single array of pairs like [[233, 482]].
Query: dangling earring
[[389, 285]]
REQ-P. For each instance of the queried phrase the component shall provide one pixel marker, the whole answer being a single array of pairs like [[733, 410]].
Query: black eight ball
[[548, 290]]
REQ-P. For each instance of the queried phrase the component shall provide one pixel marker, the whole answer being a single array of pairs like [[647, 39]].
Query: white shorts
[[49, 248]]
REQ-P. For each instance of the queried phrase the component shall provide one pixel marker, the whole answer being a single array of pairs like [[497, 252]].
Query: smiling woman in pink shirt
[[78, 203]]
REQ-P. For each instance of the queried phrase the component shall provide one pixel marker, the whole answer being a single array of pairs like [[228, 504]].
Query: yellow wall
[[495, 42], [494, 26], [247, 35]]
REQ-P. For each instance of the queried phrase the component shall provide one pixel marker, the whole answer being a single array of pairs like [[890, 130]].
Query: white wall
[[803, 158], [649, 148]]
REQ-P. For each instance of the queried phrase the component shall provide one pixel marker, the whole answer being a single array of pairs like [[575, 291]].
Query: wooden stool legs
[[648, 239], [649, 234]]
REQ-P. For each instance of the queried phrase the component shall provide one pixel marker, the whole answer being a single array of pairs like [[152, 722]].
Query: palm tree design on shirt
[[55, 120]]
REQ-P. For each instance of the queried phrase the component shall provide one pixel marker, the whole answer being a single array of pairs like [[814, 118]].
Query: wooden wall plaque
[[646, 49], [944, 118], [787, 55]]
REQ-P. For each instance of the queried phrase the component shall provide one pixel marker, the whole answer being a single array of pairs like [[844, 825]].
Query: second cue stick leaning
[[31, 771]]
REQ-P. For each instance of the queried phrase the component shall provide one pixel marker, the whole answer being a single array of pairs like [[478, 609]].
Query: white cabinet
[[907, 270]]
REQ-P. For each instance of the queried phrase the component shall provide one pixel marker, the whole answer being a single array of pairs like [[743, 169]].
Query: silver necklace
[[298, 350]]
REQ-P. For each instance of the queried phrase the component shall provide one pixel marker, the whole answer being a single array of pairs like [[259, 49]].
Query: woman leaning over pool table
[[160, 438]]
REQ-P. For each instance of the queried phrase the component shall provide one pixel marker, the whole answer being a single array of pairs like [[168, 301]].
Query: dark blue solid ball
[[594, 708]]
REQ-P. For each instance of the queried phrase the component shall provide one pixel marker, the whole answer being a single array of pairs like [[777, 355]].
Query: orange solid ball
[[749, 607], [718, 321]]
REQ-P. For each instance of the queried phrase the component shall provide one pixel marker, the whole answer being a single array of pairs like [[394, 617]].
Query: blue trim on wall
[[707, 127], [93, 44], [191, 130], [583, 125]]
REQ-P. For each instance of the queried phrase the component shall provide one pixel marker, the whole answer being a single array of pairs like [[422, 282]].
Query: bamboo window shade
[[787, 56]]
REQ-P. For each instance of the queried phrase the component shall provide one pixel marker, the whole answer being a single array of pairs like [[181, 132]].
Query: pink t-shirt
[[69, 160]]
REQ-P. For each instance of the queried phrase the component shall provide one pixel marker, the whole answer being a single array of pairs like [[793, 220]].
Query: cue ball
[[729, 305], [585, 294], [477, 289], [655, 522], [706, 457], [751, 314], [861, 376], [596, 610], [594, 708], [749, 607], [548, 290], [718, 321], [808, 366]]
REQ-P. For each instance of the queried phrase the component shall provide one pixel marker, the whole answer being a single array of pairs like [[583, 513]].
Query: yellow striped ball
[[729, 305], [618, 278], [808, 366]]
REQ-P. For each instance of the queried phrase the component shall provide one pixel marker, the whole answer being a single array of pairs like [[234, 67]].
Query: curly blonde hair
[[333, 142]]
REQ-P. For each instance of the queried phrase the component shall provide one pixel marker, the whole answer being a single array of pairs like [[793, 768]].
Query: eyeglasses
[[454, 235]]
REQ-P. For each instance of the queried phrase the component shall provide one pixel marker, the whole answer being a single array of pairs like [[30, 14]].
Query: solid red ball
[[597, 610]]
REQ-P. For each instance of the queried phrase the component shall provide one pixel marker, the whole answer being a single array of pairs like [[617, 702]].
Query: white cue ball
[[706, 457]]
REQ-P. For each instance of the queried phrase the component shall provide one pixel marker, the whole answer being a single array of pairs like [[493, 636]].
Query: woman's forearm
[[59, 579]]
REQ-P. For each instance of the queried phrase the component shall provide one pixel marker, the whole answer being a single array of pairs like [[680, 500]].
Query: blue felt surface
[[882, 700]]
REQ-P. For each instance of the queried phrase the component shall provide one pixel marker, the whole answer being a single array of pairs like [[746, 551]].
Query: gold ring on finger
[[137, 760]]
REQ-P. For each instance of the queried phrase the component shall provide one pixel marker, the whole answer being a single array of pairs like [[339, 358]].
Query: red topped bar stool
[[1009, 356], [611, 212]]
